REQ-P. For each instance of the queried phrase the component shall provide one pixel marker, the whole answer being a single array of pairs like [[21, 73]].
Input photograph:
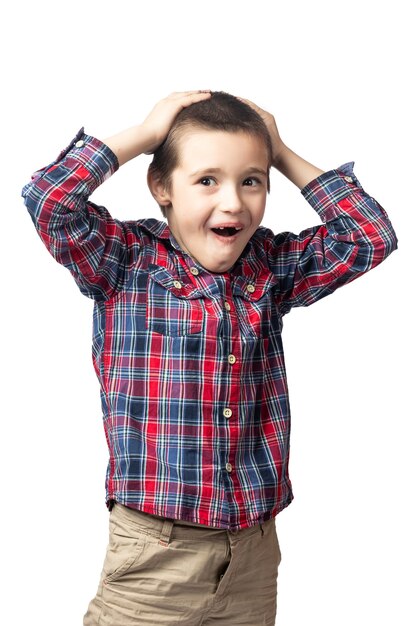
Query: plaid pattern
[[191, 363]]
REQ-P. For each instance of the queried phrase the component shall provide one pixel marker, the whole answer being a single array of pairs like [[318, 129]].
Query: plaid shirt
[[190, 363]]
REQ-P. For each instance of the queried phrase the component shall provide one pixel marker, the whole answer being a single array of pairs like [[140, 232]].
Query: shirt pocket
[[173, 307]]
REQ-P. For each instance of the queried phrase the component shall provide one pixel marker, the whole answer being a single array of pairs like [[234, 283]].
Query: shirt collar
[[161, 230], [156, 227]]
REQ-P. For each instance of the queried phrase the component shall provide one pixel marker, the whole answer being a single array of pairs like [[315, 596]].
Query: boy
[[187, 346]]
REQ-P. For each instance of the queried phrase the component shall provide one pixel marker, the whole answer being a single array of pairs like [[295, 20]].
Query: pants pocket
[[125, 549]]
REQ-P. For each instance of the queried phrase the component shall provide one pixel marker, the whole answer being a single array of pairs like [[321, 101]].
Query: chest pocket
[[172, 307], [256, 303]]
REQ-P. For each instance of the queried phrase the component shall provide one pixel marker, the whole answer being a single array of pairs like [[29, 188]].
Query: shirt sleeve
[[355, 236], [97, 249]]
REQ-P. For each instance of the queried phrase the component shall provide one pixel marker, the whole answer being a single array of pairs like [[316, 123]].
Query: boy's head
[[210, 178]]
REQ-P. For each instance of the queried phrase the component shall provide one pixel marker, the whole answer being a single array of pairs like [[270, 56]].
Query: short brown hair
[[221, 111]]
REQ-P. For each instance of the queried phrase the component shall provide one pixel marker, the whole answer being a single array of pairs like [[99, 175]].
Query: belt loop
[[262, 530], [165, 536]]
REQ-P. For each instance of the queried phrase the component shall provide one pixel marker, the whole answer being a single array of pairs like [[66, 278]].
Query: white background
[[339, 79]]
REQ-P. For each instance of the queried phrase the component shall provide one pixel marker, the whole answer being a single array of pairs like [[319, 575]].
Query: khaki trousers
[[162, 572]]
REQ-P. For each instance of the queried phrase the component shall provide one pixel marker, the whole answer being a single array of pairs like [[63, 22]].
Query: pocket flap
[[173, 283], [254, 287]]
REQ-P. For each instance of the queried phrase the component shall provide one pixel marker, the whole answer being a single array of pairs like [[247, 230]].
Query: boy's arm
[[356, 234], [145, 138], [295, 168], [79, 234], [98, 250]]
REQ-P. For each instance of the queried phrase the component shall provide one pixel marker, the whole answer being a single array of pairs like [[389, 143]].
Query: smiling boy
[[187, 346], [218, 193]]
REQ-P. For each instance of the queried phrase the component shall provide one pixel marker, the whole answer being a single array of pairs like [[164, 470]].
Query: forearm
[[79, 234], [148, 136], [295, 168], [129, 143]]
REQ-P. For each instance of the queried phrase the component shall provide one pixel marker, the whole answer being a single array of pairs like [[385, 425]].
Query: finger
[[248, 102], [194, 96], [199, 95], [185, 94]]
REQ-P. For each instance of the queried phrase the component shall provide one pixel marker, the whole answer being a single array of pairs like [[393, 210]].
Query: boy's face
[[220, 184]]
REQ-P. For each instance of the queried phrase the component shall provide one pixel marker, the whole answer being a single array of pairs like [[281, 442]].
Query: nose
[[230, 200]]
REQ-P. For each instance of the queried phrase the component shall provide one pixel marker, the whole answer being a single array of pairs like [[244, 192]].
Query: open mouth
[[226, 231]]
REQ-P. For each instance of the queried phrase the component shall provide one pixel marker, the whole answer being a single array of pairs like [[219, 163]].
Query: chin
[[221, 269]]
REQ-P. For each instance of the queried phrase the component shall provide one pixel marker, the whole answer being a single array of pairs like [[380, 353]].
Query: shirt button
[[194, 271], [177, 284], [231, 358], [227, 413], [349, 179], [227, 306], [229, 467], [79, 143], [250, 288]]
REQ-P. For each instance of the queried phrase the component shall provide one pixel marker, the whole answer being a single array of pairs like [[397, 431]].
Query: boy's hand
[[145, 138], [162, 116], [295, 168], [277, 143]]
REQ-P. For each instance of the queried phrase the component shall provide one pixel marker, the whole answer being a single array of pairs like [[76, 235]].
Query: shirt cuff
[[93, 154], [327, 190]]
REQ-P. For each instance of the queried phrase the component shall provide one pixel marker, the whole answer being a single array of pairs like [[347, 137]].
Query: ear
[[158, 190]]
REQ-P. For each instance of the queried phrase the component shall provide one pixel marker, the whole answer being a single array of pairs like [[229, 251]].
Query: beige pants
[[162, 572]]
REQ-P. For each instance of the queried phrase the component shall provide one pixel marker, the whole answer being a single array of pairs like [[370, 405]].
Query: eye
[[253, 181], [206, 181]]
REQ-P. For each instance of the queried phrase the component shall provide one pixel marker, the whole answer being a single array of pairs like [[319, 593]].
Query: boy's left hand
[[277, 143]]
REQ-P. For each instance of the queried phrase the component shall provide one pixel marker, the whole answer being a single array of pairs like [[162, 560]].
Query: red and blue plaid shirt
[[191, 363]]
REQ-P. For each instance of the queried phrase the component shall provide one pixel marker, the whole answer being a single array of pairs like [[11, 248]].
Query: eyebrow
[[207, 170]]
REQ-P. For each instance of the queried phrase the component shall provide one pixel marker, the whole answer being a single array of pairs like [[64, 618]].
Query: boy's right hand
[[162, 116], [148, 136]]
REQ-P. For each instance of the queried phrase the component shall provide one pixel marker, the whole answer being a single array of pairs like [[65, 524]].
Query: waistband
[[167, 529]]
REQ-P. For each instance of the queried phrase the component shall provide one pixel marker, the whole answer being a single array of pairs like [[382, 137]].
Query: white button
[[227, 412], [349, 179], [231, 358], [79, 143], [194, 271], [250, 288], [229, 467], [227, 306], [177, 284]]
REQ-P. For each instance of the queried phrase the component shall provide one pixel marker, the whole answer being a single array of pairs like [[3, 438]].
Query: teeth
[[231, 231]]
